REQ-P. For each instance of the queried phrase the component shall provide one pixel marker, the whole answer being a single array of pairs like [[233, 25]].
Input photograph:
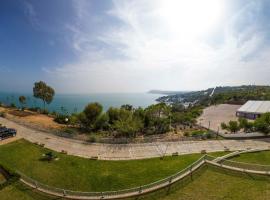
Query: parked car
[[7, 132]]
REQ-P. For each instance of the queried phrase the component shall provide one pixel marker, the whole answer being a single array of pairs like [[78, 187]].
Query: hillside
[[226, 94]]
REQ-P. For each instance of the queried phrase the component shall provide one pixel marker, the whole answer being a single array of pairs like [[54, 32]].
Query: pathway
[[131, 151]]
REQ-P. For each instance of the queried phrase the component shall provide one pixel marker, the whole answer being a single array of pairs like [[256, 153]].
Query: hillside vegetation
[[218, 95]]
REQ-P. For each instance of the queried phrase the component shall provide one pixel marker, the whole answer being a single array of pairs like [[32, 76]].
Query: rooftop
[[255, 107]]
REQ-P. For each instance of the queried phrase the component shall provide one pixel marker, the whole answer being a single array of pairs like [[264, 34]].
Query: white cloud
[[143, 53]]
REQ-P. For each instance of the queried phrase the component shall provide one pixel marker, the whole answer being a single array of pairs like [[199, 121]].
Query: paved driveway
[[130, 151]]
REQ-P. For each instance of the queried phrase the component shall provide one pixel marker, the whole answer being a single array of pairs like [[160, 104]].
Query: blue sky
[[88, 46]]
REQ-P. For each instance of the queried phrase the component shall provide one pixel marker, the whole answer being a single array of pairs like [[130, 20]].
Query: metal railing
[[241, 165]]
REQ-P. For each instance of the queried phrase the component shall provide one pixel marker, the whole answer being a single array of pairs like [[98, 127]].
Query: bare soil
[[213, 116]]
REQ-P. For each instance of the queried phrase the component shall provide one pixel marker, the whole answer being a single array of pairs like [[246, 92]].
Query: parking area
[[213, 116]]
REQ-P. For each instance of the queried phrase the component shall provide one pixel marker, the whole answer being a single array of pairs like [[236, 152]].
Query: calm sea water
[[76, 103]]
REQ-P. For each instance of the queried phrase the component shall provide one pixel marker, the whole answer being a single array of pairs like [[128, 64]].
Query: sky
[[92, 46]]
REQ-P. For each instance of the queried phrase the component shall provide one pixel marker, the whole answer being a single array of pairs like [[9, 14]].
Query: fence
[[206, 159]]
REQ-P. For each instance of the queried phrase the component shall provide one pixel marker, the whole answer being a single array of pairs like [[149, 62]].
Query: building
[[253, 109]]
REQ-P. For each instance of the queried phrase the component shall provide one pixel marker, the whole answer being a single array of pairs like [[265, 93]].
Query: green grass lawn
[[211, 183], [17, 191], [262, 158], [208, 184], [75, 173]]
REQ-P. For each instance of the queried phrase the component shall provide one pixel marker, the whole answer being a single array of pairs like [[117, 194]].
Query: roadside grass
[[80, 174], [262, 157]]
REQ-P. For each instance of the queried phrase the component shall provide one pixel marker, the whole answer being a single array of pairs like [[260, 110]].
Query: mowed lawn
[[262, 158], [80, 174], [208, 184], [216, 184]]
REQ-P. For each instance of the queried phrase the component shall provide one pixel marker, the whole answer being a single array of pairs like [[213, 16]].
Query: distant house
[[253, 109]]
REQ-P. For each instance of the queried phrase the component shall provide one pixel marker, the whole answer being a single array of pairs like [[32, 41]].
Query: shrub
[[62, 119], [44, 111], [69, 131], [3, 114], [186, 134], [34, 109], [92, 139], [12, 105]]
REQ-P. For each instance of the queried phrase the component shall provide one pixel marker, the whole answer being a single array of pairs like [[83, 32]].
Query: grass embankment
[[262, 158], [69, 171], [207, 184], [211, 183], [17, 191], [80, 174]]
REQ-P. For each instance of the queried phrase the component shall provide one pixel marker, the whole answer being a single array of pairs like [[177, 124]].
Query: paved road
[[130, 151]]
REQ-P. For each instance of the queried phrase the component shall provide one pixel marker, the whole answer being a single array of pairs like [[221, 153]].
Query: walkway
[[131, 151]]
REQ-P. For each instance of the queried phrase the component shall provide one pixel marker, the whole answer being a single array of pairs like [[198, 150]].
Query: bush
[[186, 134], [62, 119], [197, 133], [3, 114], [69, 131], [34, 109], [92, 139], [12, 105], [44, 112]]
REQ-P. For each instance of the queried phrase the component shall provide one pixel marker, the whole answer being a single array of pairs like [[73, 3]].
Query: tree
[[127, 107], [113, 114], [102, 122], [232, 126], [22, 100], [224, 126], [245, 124], [127, 124], [92, 111], [262, 124], [44, 92]]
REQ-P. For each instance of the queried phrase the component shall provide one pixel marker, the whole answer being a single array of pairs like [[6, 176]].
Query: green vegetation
[[44, 92], [261, 124], [18, 191], [207, 184], [22, 100], [127, 121], [81, 174], [231, 95], [262, 157], [216, 184]]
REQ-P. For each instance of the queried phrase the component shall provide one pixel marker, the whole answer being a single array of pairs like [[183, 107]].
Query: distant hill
[[224, 94], [166, 92]]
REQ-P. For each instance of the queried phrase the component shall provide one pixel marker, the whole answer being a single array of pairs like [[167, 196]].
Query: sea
[[76, 102]]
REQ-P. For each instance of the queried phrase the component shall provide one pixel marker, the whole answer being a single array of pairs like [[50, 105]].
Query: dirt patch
[[19, 113], [32, 119], [213, 116]]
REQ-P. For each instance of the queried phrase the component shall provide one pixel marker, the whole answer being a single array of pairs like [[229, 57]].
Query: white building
[[253, 109]]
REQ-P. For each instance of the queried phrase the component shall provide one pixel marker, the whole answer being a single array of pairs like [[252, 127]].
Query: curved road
[[130, 151]]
